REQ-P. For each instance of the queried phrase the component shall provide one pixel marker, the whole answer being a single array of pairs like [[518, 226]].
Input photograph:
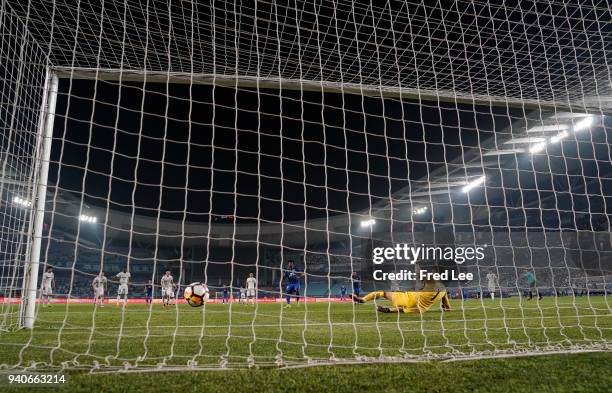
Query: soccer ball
[[196, 294]]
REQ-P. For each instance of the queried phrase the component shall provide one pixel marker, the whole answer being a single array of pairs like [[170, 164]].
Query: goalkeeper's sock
[[374, 295]]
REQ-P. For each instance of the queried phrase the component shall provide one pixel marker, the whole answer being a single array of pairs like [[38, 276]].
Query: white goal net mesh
[[22, 75], [214, 140]]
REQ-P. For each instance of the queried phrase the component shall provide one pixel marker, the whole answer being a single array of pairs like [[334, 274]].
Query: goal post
[[30, 290]]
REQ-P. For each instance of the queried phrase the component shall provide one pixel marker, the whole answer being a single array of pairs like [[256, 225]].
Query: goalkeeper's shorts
[[416, 301], [405, 299]]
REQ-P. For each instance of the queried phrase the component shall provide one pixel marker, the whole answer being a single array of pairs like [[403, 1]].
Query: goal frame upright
[[29, 294]]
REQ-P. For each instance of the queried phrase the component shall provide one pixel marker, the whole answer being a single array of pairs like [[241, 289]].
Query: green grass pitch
[[80, 338]]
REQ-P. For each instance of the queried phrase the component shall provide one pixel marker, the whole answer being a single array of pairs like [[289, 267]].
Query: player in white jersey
[[242, 295], [491, 284], [48, 282], [251, 288], [99, 285], [124, 278], [167, 287]]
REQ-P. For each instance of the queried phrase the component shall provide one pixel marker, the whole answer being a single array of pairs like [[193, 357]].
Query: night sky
[[133, 127], [330, 146]]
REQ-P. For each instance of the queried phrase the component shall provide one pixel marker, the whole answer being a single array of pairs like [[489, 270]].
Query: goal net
[[23, 100], [317, 146]]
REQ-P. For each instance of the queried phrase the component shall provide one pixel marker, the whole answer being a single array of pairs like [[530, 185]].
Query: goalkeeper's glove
[[383, 309]]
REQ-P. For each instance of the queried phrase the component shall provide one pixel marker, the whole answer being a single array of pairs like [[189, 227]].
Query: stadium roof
[[440, 189]]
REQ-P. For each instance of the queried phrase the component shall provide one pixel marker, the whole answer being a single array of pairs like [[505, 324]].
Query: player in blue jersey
[[356, 284], [149, 292], [226, 292], [291, 277], [343, 292]]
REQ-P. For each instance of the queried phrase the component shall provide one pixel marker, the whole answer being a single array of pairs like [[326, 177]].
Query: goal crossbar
[[368, 90]]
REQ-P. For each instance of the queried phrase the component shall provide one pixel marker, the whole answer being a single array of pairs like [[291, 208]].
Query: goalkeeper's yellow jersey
[[417, 301]]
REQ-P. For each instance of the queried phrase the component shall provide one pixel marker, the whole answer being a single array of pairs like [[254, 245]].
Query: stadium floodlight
[[567, 115], [533, 139], [538, 147], [549, 128], [474, 183], [22, 202], [420, 210], [88, 218], [559, 137], [502, 152], [368, 223], [583, 124]]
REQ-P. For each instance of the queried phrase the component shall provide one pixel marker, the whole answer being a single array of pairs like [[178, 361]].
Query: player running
[[292, 278], [491, 284], [168, 286], [531, 279], [99, 285], [356, 284], [48, 282], [149, 292], [433, 292], [251, 287], [124, 278]]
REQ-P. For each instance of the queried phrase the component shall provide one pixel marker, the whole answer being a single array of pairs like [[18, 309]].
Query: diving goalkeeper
[[433, 292]]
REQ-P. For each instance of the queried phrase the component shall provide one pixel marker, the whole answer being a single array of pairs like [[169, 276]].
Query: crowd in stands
[[74, 275]]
